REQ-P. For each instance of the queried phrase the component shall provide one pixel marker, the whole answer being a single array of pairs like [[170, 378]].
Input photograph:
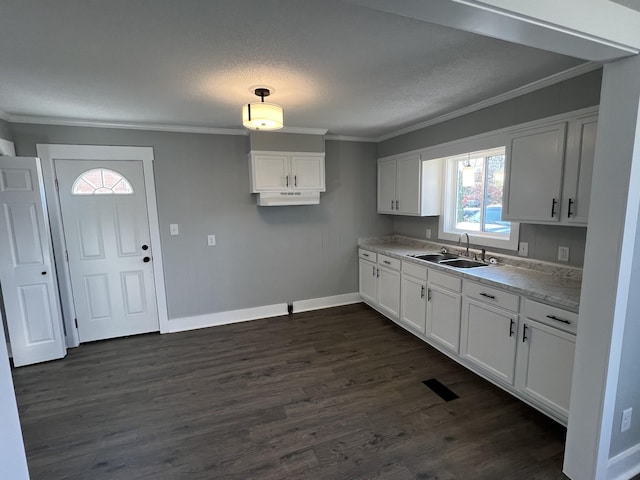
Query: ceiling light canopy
[[262, 115]]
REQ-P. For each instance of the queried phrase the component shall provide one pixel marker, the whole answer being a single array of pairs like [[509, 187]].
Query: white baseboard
[[625, 465], [326, 302], [225, 318]]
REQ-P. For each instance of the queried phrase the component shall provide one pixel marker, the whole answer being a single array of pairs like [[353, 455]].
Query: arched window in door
[[101, 181]]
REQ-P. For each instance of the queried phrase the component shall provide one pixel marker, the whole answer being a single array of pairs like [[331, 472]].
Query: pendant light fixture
[[262, 115], [468, 174]]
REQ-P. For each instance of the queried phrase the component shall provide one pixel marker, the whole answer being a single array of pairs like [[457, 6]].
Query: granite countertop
[[550, 283]]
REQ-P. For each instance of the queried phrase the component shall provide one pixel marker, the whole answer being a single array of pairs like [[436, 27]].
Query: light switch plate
[[626, 420], [523, 249], [211, 240], [563, 254], [427, 233], [173, 229]]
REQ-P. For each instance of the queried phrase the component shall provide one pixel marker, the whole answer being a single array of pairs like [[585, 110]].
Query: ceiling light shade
[[262, 115], [468, 174]]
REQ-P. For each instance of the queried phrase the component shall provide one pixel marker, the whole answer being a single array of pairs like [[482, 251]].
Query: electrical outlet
[[563, 254], [427, 233], [626, 420], [523, 249], [211, 240], [173, 229]]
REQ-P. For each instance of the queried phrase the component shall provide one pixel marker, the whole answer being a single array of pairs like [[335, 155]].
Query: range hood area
[[286, 168]]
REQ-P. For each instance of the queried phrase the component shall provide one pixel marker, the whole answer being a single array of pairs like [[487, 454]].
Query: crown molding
[[70, 122], [346, 138], [307, 131], [517, 92]]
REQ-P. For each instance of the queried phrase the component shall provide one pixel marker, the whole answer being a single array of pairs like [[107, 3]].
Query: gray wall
[[5, 130], [543, 240], [286, 142], [264, 255], [573, 94]]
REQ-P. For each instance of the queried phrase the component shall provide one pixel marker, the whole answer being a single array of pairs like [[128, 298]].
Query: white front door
[[106, 227], [27, 273]]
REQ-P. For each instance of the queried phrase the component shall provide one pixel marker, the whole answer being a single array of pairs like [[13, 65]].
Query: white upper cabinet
[[579, 170], [549, 169], [534, 174], [408, 185], [286, 171]]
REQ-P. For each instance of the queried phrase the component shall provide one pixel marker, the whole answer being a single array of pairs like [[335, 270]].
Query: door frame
[[48, 153]]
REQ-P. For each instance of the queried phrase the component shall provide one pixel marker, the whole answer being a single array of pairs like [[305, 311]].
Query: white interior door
[[106, 227], [27, 273]]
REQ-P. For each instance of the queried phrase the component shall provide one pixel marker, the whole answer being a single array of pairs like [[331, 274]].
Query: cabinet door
[[489, 339], [368, 281], [443, 317], [387, 187], [307, 172], [545, 365], [579, 170], [408, 191], [413, 305], [535, 162], [269, 173], [389, 291]]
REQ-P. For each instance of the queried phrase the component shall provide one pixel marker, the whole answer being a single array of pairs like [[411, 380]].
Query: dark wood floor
[[334, 394]]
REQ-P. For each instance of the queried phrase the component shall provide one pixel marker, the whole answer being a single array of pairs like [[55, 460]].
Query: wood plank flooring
[[332, 394]]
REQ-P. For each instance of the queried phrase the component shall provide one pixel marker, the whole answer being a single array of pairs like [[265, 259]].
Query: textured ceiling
[[333, 65]]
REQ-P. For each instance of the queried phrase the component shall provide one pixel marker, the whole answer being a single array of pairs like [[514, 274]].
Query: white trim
[[503, 97], [347, 138], [48, 153], [624, 465], [7, 148], [71, 122], [224, 318], [5, 116], [326, 302]]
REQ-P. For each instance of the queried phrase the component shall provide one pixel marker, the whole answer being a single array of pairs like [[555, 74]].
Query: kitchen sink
[[462, 263], [436, 257]]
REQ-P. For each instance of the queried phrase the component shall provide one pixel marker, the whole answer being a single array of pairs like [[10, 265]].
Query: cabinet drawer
[[389, 262], [414, 270], [556, 317], [492, 296], [446, 281], [368, 255]]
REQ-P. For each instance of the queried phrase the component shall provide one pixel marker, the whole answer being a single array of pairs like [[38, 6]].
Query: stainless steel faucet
[[460, 242]]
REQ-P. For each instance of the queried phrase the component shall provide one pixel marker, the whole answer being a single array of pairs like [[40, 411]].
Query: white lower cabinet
[[413, 297], [489, 339], [545, 356], [443, 316], [379, 277]]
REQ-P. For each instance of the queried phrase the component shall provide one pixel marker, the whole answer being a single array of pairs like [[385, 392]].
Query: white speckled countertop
[[550, 283]]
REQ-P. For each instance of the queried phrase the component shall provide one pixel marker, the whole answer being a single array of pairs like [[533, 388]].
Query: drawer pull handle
[[511, 324], [378, 275], [365, 254], [553, 207], [428, 294], [553, 317], [492, 297], [387, 262], [524, 333]]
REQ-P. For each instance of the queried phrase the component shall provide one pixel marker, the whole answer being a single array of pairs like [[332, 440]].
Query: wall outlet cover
[[173, 229], [523, 249], [427, 233], [211, 240], [626, 420], [563, 254]]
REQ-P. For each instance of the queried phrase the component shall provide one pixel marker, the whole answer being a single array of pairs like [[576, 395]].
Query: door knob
[[145, 247], [146, 259]]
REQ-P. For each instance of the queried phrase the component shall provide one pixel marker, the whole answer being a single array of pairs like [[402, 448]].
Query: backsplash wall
[[543, 240]]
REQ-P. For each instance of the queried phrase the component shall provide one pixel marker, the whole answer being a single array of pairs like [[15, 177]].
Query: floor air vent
[[440, 390]]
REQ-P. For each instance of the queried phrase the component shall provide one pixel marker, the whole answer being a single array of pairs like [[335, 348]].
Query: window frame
[[446, 223]]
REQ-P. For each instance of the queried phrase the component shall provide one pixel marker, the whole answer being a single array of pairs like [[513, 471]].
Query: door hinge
[[57, 186], [76, 322]]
